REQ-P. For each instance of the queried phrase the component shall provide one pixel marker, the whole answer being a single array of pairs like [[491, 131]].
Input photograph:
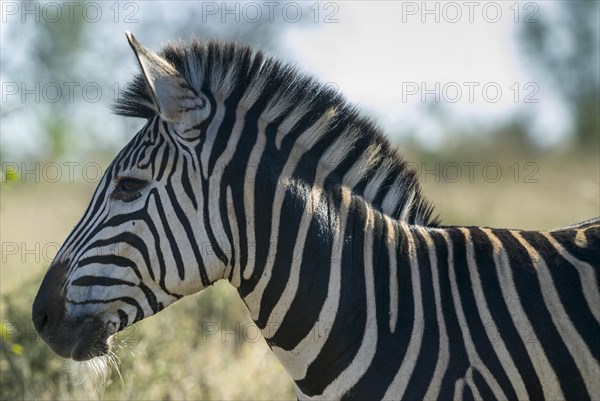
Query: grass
[[184, 352]]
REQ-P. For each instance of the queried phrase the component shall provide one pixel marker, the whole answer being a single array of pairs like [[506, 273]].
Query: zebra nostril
[[49, 304], [40, 320], [43, 322]]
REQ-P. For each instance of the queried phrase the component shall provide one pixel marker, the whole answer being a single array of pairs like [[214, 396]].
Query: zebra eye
[[128, 189]]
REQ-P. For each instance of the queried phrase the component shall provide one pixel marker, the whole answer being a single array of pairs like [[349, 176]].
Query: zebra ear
[[171, 93]]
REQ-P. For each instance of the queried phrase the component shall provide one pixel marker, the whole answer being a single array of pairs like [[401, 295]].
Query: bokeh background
[[496, 104]]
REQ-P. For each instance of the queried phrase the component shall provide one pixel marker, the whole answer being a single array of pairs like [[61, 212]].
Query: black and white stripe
[[249, 171]]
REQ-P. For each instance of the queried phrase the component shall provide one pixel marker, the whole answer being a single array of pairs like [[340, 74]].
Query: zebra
[[249, 171]]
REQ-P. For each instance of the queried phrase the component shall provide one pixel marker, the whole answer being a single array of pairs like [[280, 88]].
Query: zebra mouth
[[79, 340], [93, 341]]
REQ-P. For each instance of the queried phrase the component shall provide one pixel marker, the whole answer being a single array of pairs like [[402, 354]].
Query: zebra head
[[136, 250]]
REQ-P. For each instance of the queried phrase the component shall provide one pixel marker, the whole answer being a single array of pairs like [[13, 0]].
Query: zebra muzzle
[[80, 338]]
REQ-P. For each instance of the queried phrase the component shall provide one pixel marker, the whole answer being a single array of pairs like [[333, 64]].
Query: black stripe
[[348, 327], [484, 389], [164, 161], [387, 354], [303, 312], [468, 393], [223, 135], [123, 319], [112, 260], [570, 291], [587, 254], [458, 360], [530, 296], [150, 297], [385, 186], [157, 145], [164, 222], [420, 378], [128, 300], [474, 324], [271, 163], [102, 281], [290, 218], [187, 227], [499, 310], [186, 184]]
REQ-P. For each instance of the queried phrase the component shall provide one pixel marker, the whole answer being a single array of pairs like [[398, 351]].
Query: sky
[[392, 57], [395, 60]]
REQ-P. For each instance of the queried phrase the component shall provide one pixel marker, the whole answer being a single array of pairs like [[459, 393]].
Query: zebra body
[[251, 172], [447, 313]]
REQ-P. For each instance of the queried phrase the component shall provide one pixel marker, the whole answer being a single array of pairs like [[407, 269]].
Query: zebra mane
[[379, 174]]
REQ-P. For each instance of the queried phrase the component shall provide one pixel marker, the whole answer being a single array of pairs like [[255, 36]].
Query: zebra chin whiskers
[[93, 375], [96, 374]]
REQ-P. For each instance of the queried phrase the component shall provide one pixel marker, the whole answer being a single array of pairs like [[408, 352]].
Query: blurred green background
[[532, 165]]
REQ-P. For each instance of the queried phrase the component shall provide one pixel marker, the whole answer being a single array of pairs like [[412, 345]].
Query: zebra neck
[[312, 270]]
